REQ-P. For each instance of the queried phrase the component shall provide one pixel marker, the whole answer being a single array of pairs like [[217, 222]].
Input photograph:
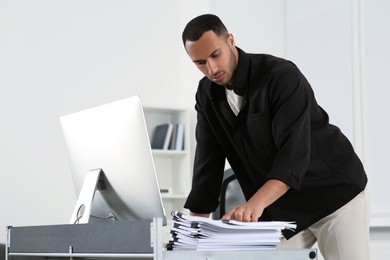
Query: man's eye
[[214, 55], [199, 63]]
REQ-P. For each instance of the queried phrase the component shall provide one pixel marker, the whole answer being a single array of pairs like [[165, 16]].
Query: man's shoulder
[[204, 80], [271, 63], [265, 56]]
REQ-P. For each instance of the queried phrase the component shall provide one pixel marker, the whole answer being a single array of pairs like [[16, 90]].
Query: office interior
[[59, 57]]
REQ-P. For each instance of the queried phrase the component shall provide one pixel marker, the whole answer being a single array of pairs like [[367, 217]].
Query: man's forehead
[[207, 44]]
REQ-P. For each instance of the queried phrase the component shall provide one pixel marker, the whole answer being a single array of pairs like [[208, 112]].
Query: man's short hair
[[201, 24]]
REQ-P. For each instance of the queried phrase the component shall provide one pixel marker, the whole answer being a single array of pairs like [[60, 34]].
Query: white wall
[[258, 26], [321, 48], [377, 94], [57, 57]]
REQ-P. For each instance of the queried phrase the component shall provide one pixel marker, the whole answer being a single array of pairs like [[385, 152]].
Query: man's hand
[[248, 212], [253, 208]]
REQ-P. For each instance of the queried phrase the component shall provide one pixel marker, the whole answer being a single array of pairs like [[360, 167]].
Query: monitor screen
[[113, 137]]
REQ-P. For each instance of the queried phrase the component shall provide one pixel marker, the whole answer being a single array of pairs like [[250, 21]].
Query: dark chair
[[231, 194]]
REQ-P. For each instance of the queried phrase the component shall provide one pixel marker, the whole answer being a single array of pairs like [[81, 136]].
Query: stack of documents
[[198, 233]]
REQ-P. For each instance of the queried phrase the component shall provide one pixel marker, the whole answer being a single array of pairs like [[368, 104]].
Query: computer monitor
[[112, 163]]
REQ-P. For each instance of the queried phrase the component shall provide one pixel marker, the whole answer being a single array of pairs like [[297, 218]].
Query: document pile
[[198, 233]]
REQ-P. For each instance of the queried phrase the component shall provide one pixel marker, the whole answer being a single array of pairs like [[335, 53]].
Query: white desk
[[119, 240]]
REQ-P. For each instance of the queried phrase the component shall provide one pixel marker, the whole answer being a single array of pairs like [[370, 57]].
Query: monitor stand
[[82, 209]]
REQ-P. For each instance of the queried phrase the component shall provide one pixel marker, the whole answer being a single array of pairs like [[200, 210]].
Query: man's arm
[[205, 215], [251, 210]]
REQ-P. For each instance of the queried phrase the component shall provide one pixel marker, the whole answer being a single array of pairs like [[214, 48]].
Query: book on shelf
[[177, 139], [172, 142], [168, 136], [162, 136]]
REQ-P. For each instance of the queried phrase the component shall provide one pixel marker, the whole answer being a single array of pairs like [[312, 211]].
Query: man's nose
[[212, 67]]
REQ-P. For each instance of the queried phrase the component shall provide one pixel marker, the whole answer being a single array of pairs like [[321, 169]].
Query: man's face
[[215, 56]]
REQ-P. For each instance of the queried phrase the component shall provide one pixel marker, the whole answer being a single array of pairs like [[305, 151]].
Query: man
[[259, 112]]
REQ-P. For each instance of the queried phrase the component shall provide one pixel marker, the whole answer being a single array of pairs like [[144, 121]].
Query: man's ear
[[230, 40]]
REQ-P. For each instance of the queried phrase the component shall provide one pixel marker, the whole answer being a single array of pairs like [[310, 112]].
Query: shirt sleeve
[[290, 98], [209, 165]]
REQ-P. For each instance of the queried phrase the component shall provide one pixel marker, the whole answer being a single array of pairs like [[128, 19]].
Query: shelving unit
[[173, 166]]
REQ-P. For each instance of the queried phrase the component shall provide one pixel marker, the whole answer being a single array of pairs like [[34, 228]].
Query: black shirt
[[280, 133]]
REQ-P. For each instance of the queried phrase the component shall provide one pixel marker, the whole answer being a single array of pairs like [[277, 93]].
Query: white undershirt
[[235, 101]]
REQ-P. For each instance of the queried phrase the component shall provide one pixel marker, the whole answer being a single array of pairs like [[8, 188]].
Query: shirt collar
[[241, 78], [241, 73]]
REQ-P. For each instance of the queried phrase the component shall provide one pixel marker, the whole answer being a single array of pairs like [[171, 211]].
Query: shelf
[[173, 196], [380, 220], [169, 152], [173, 167]]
